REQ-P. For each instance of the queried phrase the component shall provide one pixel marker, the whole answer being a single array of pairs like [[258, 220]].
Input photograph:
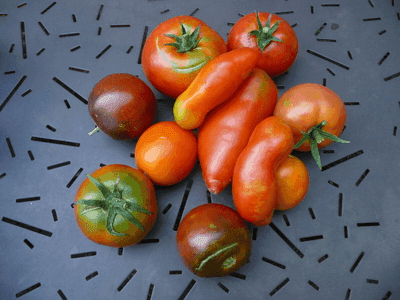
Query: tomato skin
[[166, 153], [306, 105], [214, 84], [256, 184], [136, 185], [227, 129], [122, 106], [207, 229], [171, 72], [277, 57]]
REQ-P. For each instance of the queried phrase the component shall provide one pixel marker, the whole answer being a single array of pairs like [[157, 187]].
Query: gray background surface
[[356, 255]]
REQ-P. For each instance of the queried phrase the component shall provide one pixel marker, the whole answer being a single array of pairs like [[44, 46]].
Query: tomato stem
[[215, 254], [265, 33], [94, 131], [187, 41]]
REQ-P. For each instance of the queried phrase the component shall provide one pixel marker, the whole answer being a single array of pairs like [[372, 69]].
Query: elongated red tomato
[[265, 177], [214, 84], [227, 129]]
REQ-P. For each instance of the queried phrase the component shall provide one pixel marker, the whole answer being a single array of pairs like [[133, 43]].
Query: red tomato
[[175, 52], [270, 35]]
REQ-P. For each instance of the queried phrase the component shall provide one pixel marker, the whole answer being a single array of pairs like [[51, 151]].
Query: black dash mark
[[78, 70], [103, 51], [30, 245], [279, 286], [368, 224], [394, 130], [312, 9], [51, 128], [313, 285], [240, 15], [280, 87], [238, 275], [187, 289], [167, 208], [149, 241], [285, 218], [100, 11], [357, 262], [398, 16], [351, 103], [374, 281], [26, 226], [371, 3], [44, 28], [328, 59], [146, 29], [223, 287], [9, 72], [382, 32], [294, 25], [324, 82], [52, 141], [348, 294], [55, 218], [326, 40], [311, 238], [284, 12], [120, 25], [40, 51], [73, 18], [150, 292], [346, 232], [230, 23], [328, 151], [69, 34], [26, 93], [349, 54], [132, 155], [195, 11], [333, 183], [310, 210], [321, 259], [129, 50], [31, 155], [340, 204], [320, 29], [286, 240], [102, 165], [99, 31], [67, 104], [10, 147], [120, 250], [387, 296], [383, 58], [75, 48], [29, 289], [23, 40], [391, 77], [61, 294], [342, 160], [164, 11], [372, 19], [127, 279], [29, 199], [47, 8], [255, 230], [183, 204], [58, 165], [75, 177], [22, 5], [362, 177], [330, 5], [175, 272], [330, 71], [209, 198], [12, 92], [71, 91], [274, 263], [83, 254], [91, 276], [2, 175]]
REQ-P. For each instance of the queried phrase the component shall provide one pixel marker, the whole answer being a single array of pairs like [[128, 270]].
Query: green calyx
[[226, 264], [316, 135], [187, 41], [113, 204], [265, 34]]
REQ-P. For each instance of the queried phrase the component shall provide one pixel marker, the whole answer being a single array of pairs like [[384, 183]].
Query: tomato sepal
[[186, 42], [265, 33]]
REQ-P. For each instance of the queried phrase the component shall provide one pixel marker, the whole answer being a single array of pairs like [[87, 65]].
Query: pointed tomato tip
[[215, 186]]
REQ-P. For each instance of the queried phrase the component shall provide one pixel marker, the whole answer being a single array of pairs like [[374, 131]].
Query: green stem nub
[[215, 254], [265, 33], [94, 131], [316, 135], [187, 41]]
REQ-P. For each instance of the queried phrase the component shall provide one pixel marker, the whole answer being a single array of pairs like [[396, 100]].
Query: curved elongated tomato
[[227, 129], [214, 84], [270, 35], [265, 177], [116, 206], [213, 240], [174, 53]]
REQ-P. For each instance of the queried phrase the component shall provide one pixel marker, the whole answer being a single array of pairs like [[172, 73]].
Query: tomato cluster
[[244, 136]]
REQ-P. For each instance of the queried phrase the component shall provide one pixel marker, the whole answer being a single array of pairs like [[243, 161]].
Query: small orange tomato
[[166, 152]]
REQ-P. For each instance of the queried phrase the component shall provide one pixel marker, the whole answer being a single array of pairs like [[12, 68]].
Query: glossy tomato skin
[[92, 221], [227, 129], [171, 72], [166, 153], [306, 105], [207, 229], [277, 57], [122, 106]]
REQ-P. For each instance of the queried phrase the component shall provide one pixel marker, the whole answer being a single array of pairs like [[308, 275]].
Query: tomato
[[213, 240], [116, 206], [270, 35], [122, 106], [227, 129], [166, 153], [316, 115], [214, 84], [175, 52], [265, 177]]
